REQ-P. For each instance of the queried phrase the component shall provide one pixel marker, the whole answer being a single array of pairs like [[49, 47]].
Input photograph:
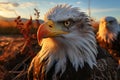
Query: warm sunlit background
[[25, 8]]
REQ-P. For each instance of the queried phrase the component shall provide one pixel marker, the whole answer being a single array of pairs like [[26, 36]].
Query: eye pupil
[[67, 23], [50, 26]]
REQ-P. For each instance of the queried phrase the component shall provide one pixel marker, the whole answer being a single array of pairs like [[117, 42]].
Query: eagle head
[[65, 35], [108, 29]]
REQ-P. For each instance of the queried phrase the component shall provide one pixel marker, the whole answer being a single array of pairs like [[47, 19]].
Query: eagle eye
[[110, 22], [67, 23]]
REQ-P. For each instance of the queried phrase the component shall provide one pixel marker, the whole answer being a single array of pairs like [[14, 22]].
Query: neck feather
[[78, 50], [108, 35]]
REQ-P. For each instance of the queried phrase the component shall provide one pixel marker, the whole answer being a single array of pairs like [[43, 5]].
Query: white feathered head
[[108, 29]]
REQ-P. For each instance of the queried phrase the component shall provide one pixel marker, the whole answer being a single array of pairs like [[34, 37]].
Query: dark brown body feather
[[104, 70]]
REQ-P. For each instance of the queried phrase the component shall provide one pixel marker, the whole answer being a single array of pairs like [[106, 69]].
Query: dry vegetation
[[17, 54]]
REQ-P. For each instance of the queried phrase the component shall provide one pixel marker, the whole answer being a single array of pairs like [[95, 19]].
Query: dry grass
[[15, 62], [14, 65]]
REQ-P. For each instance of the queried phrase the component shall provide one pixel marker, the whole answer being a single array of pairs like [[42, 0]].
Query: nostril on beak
[[50, 26]]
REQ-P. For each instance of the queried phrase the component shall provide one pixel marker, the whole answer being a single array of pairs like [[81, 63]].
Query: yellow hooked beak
[[49, 29]]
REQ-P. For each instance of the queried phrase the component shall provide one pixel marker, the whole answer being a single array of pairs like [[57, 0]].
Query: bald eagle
[[108, 36], [69, 50]]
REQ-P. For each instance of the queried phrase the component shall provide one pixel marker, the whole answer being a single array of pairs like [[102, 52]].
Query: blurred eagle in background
[[108, 36], [69, 49]]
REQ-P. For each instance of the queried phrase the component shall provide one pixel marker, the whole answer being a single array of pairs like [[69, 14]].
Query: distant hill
[[9, 22], [5, 22]]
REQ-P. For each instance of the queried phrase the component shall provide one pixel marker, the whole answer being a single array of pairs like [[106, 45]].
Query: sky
[[25, 8]]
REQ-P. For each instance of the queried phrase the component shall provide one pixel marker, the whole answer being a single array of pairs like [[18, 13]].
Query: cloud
[[8, 6], [14, 4], [104, 10], [27, 4], [78, 2], [52, 3]]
